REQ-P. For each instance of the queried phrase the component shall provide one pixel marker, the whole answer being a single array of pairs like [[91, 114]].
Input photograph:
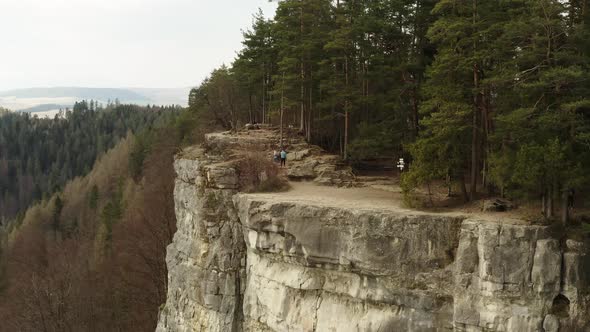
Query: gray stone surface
[[221, 177], [499, 277], [246, 262], [206, 258], [334, 269], [329, 176], [299, 155], [551, 323], [305, 170], [546, 272]]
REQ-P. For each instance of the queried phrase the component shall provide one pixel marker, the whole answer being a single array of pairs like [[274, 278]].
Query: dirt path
[[387, 198], [376, 191], [358, 198]]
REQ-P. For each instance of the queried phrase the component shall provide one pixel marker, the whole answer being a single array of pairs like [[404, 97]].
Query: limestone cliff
[[206, 260], [288, 262]]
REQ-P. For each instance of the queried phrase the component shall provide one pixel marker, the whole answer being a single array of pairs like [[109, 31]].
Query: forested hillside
[[489, 96], [92, 257], [38, 156]]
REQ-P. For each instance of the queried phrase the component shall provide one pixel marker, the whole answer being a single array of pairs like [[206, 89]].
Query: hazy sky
[[119, 43]]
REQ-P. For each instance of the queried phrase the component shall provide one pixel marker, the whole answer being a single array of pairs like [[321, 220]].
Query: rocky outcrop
[[206, 260], [507, 278], [333, 269], [251, 262], [497, 205], [322, 268]]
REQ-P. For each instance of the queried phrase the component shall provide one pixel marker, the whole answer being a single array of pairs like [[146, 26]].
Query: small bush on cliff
[[258, 173]]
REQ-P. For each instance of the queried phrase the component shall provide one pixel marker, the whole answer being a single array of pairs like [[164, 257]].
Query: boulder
[[328, 174], [299, 155], [340, 178], [497, 205], [303, 171], [221, 177]]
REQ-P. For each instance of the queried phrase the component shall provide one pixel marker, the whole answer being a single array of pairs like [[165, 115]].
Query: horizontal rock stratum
[[304, 262]]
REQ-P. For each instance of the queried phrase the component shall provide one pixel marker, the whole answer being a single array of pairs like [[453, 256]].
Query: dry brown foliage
[[258, 173], [59, 281]]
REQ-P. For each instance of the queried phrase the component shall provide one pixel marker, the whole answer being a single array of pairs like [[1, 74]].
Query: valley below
[[46, 102]]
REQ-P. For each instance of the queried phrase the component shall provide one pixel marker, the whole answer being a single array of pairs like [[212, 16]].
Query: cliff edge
[[335, 259]]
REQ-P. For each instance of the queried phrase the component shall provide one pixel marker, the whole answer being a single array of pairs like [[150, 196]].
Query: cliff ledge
[[321, 259]]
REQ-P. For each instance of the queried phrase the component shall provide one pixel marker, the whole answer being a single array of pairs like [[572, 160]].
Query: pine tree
[[545, 137], [300, 34], [254, 67], [456, 104]]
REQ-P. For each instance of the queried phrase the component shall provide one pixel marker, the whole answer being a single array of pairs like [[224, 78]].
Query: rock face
[[247, 262], [206, 260], [507, 277], [333, 269]]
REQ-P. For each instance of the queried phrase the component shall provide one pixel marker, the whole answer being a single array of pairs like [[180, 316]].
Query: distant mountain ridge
[[83, 93], [39, 99], [44, 108]]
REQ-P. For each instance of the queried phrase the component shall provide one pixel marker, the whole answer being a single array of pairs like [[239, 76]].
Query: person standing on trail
[[283, 157]]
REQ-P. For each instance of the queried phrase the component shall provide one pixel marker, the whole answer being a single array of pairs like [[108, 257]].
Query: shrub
[[258, 173]]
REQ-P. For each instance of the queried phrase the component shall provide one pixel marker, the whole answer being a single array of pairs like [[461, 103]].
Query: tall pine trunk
[[548, 206], [565, 207], [544, 203], [309, 111], [250, 115], [270, 101], [463, 188], [282, 109], [264, 97], [302, 98], [414, 112], [302, 75], [474, 138], [486, 128], [346, 115]]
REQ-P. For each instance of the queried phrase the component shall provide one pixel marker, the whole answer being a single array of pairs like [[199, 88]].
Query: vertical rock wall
[[206, 259], [513, 277], [253, 263], [322, 268]]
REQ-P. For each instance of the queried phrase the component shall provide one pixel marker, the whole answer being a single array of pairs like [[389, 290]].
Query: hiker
[[283, 157], [275, 156]]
